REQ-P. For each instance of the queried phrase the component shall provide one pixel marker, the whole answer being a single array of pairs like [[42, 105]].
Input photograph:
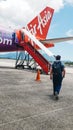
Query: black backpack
[[57, 67]]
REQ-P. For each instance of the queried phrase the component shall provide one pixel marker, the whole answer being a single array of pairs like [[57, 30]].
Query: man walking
[[57, 73]]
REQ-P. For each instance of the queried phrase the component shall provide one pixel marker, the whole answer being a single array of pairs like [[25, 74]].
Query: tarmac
[[27, 104]]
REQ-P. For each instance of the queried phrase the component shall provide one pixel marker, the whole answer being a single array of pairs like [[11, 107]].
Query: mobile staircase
[[35, 54], [44, 64]]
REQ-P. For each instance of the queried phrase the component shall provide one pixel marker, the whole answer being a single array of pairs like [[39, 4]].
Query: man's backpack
[[57, 68]]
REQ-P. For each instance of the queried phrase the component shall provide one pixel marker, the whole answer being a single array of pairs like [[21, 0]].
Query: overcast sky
[[17, 13]]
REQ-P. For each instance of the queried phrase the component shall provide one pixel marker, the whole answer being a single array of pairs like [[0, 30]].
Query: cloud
[[3, 0], [69, 33], [17, 13], [14, 13], [69, 2], [57, 4]]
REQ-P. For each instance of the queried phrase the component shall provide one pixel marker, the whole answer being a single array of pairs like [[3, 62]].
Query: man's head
[[58, 57]]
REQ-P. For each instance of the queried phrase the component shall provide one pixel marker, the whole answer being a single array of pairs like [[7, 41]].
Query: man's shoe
[[56, 96]]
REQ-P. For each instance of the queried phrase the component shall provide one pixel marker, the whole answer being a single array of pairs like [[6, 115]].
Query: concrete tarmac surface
[[27, 104]]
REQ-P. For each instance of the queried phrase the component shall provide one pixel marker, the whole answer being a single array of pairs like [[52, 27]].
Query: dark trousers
[[57, 83]]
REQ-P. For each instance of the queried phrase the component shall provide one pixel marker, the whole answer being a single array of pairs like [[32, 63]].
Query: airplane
[[34, 33]]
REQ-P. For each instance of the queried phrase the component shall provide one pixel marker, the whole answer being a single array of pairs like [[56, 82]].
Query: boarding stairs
[[42, 62]]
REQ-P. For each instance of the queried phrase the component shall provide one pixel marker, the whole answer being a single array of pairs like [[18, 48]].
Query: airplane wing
[[56, 40]]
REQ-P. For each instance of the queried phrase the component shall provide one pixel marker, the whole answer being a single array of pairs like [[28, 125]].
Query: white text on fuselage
[[42, 22], [5, 41]]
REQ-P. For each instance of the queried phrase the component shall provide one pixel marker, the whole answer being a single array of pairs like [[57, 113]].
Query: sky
[[15, 14]]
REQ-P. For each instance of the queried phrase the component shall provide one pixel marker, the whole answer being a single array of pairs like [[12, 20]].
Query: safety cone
[[38, 76]]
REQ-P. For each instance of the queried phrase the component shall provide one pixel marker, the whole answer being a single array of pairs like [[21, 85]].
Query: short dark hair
[[58, 57]]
